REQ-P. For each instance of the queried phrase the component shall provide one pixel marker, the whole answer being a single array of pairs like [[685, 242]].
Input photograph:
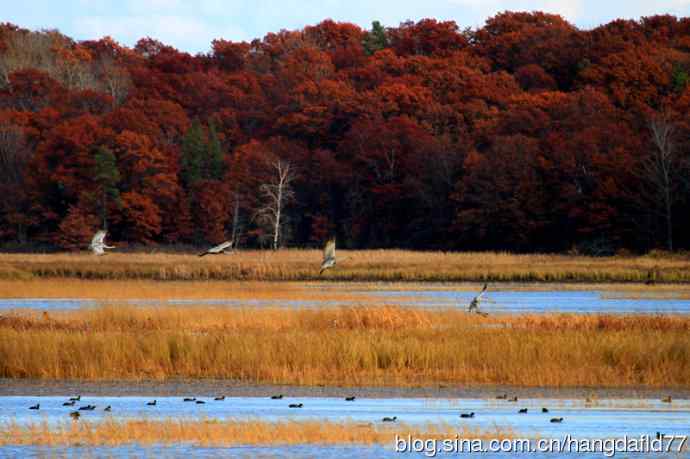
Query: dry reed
[[227, 432], [356, 346], [112, 291], [369, 265]]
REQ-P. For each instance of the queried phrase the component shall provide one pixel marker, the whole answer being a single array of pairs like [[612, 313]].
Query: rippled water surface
[[499, 300], [300, 452], [592, 420], [606, 418]]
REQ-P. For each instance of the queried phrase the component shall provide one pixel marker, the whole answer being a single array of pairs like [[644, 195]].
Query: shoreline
[[208, 388]]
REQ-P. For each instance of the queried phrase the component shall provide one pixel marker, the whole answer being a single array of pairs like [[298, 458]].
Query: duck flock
[[72, 402]]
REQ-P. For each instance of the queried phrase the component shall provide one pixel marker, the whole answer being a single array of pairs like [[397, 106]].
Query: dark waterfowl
[[35, 407], [75, 399], [295, 405], [87, 408], [556, 420], [153, 403], [350, 399], [544, 410], [107, 408], [189, 399], [387, 419], [220, 399], [71, 403], [522, 411], [467, 415], [200, 402], [276, 397]]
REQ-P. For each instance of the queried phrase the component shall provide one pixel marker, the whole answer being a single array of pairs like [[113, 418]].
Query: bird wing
[[482, 292], [98, 238], [329, 250], [220, 247], [225, 245]]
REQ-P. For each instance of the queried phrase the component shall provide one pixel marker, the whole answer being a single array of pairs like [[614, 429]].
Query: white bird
[[474, 304], [220, 248], [328, 256], [98, 245]]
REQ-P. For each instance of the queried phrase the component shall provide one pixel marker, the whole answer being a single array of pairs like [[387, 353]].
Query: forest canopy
[[527, 134]]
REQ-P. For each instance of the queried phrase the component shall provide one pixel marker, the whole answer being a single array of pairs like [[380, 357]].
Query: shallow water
[[604, 418], [609, 418], [500, 301], [298, 451]]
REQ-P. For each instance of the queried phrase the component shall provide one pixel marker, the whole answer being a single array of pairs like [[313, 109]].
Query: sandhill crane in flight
[[220, 248], [474, 304], [328, 256], [98, 245]]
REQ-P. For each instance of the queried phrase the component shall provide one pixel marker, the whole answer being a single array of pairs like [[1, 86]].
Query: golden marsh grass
[[227, 432], [348, 346], [368, 265], [112, 291]]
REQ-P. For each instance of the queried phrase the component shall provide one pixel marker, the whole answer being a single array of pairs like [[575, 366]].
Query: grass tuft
[[350, 346], [227, 433], [367, 265]]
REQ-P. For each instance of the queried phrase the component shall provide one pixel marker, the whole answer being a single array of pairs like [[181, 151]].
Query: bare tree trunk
[[279, 209], [276, 193], [662, 169], [236, 218], [669, 220]]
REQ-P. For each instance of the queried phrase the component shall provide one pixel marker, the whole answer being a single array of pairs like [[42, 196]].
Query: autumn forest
[[527, 134]]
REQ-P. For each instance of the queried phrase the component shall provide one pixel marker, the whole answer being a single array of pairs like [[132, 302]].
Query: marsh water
[[601, 418], [298, 452], [633, 415], [500, 299]]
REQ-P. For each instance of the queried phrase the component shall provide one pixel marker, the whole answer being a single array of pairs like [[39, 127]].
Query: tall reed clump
[[366, 265], [227, 432], [347, 346]]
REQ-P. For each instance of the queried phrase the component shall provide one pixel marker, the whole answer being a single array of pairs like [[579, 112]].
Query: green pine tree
[[107, 177], [216, 165], [376, 39], [193, 154]]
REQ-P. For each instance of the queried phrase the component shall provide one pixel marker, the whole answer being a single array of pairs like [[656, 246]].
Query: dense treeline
[[526, 134]]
